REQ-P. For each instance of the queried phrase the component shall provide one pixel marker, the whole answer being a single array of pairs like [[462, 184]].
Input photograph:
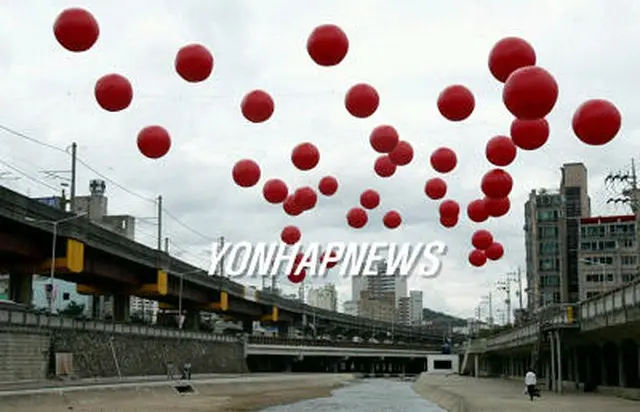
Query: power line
[[98, 173], [28, 176]]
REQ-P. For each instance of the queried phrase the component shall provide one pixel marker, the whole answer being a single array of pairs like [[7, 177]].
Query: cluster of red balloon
[[443, 160], [295, 277], [485, 247]]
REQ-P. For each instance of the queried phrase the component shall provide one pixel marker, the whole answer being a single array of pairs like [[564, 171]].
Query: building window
[[592, 294], [627, 277], [548, 232], [599, 278], [547, 215], [599, 260], [628, 243], [548, 248], [629, 260], [549, 264], [556, 297], [549, 280]]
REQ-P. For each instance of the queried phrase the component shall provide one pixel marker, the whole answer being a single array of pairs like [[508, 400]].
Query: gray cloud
[[408, 50]]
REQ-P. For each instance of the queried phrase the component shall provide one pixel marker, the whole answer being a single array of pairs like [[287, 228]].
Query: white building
[[325, 297], [415, 307], [351, 307], [145, 308]]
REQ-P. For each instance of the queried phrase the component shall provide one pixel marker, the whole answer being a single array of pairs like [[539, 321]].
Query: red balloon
[[435, 188], [477, 258], [497, 207], [257, 106], [495, 251], [477, 211], [384, 167], [402, 155], [448, 221], [297, 277], [331, 263], [328, 185], [305, 156], [509, 55], [596, 122], [113, 92], [275, 191], [76, 30], [290, 235], [362, 100], [392, 219], [306, 198], [456, 103], [291, 207], [357, 218], [370, 199], [496, 184], [246, 173], [384, 139], [481, 239], [529, 134], [154, 141], [501, 151], [194, 63], [327, 45], [443, 160], [449, 208], [530, 93]]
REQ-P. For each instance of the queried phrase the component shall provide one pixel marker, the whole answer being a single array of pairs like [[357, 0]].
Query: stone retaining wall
[[32, 353]]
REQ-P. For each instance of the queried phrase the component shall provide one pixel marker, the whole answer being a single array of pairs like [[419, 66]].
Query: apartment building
[[552, 232], [608, 253]]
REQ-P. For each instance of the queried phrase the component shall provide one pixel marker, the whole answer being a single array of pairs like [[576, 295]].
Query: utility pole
[[166, 245], [519, 278], [629, 193], [159, 202], [221, 248], [72, 189]]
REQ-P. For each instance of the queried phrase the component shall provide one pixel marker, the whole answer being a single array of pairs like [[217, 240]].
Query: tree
[[73, 309]]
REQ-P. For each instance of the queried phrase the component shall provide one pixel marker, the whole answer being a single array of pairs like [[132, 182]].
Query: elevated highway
[[101, 262], [593, 343]]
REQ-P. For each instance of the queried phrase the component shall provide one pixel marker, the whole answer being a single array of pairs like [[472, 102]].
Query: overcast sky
[[409, 50]]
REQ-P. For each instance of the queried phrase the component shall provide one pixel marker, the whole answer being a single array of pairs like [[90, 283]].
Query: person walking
[[530, 380]]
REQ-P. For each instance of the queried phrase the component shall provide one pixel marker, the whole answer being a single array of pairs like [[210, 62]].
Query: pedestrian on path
[[530, 380]]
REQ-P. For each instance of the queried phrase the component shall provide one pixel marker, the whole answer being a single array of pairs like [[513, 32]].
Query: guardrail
[[25, 319], [265, 340]]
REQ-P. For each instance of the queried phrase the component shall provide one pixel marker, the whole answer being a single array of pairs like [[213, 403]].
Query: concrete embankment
[[239, 393], [464, 394], [35, 354]]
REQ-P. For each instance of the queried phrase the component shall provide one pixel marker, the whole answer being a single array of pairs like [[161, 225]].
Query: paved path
[[464, 394], [19, 389]]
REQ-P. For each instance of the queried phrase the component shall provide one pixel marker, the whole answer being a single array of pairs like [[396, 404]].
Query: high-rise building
[[415, 307], [325, 297], [382, 307], [608, 255], [404, 311], [382, 284], [552, 220]]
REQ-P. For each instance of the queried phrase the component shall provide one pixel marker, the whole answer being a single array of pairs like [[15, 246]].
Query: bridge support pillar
[[192, 320], [283, 330], [604, 371], [622, 378], [552, 377], [121, 304], [476, 365], [247, 326], [21, 288], [559, 359]]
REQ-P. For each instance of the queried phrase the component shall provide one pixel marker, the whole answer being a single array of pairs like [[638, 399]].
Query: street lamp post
[[52, 269], [180, 289]]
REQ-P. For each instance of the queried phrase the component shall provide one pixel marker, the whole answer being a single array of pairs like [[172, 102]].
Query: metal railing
[[20, 319], [265, 340]]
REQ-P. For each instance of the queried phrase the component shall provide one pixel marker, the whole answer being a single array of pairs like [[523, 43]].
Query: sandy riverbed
[[210, 397]]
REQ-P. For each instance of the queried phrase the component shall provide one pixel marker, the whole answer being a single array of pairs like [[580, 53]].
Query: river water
[[369, 395]]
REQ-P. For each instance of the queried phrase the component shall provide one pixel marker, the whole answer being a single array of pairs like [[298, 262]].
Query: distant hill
[[439, 318]]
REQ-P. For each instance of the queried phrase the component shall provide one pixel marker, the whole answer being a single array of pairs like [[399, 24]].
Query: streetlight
[[590, 262], [181, 274], [54, 224]]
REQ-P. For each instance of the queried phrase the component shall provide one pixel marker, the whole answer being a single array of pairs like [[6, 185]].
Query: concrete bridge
[[102, 262], [594, 344]]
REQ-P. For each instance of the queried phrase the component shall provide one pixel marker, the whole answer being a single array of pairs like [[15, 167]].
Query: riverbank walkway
[[466, 394]]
